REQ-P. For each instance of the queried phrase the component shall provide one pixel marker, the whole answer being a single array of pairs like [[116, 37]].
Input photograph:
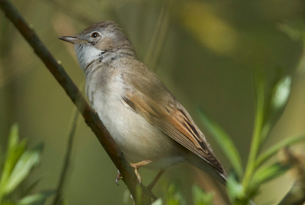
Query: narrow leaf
[[276, 103], [10, 162], [275, 148], [268, 173], [37, 199], [259, 83], [14, 152], [157, 202], [281, 93], [11, 155], [224, 141], [13, 138], [26, 162], [235, 189]]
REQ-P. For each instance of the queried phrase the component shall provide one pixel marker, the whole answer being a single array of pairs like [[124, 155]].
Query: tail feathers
[[208, 168]]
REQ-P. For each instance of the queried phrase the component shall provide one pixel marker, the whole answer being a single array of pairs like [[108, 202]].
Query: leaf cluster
[[16, 165], [243, 184], [174, 197]]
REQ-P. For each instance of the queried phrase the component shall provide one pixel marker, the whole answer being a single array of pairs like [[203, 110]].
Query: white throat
[[86, 54]]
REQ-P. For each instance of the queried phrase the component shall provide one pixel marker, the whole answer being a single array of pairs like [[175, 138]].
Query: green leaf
[[15, 150], [11, 155], [275, 149], [224, 141], [157, 202], [13, 138], [26, 162], [37, 199], [259, 83], [174, 195], [281, 93], [12, 158], [268, 173], [200, 197], [235, 189], [276, 103]]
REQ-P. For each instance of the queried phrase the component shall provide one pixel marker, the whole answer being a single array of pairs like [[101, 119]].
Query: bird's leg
[[152, 184], [137, 165]]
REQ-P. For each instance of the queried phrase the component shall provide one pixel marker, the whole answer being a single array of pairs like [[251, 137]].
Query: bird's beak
[[72, 39]]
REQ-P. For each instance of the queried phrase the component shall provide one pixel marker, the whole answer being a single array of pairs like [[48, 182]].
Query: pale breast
[[137, 138]]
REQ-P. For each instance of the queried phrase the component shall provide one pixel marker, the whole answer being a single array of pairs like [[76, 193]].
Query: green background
[[204, 51]]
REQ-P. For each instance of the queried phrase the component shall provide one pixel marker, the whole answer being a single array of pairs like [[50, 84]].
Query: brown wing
[[171, 118]]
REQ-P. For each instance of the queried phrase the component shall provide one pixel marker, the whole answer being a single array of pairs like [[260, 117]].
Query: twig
[[67, 162], [77, 98], [157, 41]]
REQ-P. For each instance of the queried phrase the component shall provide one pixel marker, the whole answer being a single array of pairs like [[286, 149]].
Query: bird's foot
[[136, 167], [118, 177]]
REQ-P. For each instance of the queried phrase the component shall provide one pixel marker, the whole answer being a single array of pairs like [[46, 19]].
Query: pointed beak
[[72, 39]]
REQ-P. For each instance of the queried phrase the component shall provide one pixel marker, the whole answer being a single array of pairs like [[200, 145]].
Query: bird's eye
[[95, 34]]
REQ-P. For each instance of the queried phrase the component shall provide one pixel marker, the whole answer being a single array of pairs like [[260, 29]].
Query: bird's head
[[101, 41]]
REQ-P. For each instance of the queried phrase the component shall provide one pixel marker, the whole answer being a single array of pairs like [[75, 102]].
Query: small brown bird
[[146, 121]]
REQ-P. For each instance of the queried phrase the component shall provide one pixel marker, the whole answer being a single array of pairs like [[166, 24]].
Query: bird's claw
[[136, 167], [118, 177]]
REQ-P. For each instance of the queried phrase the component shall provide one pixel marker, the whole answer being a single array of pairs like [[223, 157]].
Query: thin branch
[[157, 41], [59, 191], [77, 98]]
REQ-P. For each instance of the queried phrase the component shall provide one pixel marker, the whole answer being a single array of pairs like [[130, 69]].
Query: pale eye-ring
[[95, 34]]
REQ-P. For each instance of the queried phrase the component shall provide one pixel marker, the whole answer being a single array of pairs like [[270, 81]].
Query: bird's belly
[[138, 139]]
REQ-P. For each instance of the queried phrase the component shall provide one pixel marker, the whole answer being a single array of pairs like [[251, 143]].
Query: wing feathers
[[171, 117]]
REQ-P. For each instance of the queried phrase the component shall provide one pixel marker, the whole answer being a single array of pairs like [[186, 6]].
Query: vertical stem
[[158, 37], [259, 118], [67, 162]]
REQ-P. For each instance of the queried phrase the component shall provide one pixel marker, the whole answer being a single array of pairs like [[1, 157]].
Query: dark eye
[[95, 34]]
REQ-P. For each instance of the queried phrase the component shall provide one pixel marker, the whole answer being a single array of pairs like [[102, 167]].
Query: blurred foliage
[[297, 159], [173, 196], [203, 50], [269, 103], [213, 31], [16, 165], [200, 197]]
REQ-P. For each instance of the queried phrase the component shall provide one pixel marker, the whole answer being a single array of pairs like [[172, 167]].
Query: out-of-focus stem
[[259, 119]]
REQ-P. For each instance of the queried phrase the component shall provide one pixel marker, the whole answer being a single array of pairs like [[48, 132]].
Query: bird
[[146, 121]]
